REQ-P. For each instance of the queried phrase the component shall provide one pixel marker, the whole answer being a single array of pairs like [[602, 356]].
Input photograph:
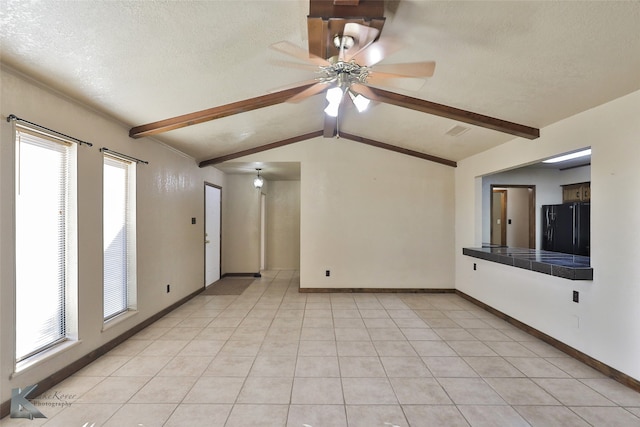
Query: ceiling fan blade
[[395, 81], [362, 36], [298, 52], [410, 69], [363, 90], [310, 91], [377, 51]]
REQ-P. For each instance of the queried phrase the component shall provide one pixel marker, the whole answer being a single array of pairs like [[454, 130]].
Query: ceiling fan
[[351, 73]]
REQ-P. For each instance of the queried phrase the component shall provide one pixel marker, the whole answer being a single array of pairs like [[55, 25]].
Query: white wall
[[170, 191], [375, 218], [605, 323], [283, 225]]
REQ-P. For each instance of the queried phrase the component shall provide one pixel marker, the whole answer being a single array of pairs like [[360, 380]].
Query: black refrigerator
[[565, 228]]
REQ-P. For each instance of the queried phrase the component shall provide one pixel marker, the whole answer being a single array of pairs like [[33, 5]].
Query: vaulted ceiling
[[528, 63]]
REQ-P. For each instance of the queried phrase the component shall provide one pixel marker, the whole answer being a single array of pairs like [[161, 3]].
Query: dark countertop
[[567, 266]]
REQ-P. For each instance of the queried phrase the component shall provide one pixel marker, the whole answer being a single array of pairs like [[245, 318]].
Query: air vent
[[457, 130]]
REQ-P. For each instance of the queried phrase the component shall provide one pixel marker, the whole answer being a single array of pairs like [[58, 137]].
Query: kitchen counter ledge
[[566, 266]]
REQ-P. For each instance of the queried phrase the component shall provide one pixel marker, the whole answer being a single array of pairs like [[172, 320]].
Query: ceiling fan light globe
[[332, 109], [345, 42], [258, 182], [334, 95], [360, 102]]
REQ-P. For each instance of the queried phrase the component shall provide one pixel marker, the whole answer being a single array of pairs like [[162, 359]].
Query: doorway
[[213, 235], [513, 216]]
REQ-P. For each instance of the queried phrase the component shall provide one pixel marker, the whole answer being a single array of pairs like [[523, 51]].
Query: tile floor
[[275, 357]]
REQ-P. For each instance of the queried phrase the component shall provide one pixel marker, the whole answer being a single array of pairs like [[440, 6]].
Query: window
[[118, 236], [44, 250]]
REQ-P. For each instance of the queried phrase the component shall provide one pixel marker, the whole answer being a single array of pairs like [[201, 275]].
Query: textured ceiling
[[532, 63]]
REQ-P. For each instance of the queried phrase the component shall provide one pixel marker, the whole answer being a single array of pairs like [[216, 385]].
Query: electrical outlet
[[193, 220], [576, 296], [168, 288], [475, 267], [327, 273]]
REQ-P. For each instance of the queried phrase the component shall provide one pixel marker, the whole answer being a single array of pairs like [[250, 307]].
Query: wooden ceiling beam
[[261, 148], [400, 150], [304, 137], [216, 112], [455, 113]]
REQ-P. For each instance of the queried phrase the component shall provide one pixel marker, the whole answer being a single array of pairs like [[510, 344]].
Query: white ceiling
[[532, 63]]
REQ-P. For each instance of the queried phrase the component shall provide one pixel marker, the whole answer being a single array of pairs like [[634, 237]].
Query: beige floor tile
[[230, 366], [447, 367], [376, 415], [317, 334], [419, 334], [374, 314], [386, 334], [81, 413], [321, 391], [470, 391], [545, 416], [521, 391], [377, 323], [412, 323], [181, 333], [186, 366], [273, 366], [215, 390], [394, 348], [352, 334], [164, 390], [356, 348], [317, 367], [368, 391], [433, 348], [614, 391], [404, 367], [114, 390], [204, 348], [419, 391], [345, 313], [317, 322], [317, 416], [249, 333], [454, 334], [574, 367], [434, 415], [536, 367], [277, 347], [209, 415], [148, 415], [104, 366], [317, 348], [441, 323], [130, 348], [571, 392], [610, 417], [240, 348], [491, 366], [471, 348], [215, 334], [510, 349], [340, 322], [142, 366], [361, 366], [265, 390], [491, 415], [543, 349], [488, 334], [258, 415]]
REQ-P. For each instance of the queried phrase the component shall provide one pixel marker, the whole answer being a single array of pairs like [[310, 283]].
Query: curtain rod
[[79, 141], [124, 156]]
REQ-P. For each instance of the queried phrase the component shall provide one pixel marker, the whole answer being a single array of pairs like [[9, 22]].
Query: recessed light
[[569, 156]]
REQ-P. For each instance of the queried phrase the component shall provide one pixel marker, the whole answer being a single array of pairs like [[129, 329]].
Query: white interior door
[[212, 215]]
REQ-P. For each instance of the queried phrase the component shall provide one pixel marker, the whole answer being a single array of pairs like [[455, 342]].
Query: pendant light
[[258, 182]]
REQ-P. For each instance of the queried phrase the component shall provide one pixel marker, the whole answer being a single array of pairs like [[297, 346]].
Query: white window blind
[[42, 218], [117, 236]]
